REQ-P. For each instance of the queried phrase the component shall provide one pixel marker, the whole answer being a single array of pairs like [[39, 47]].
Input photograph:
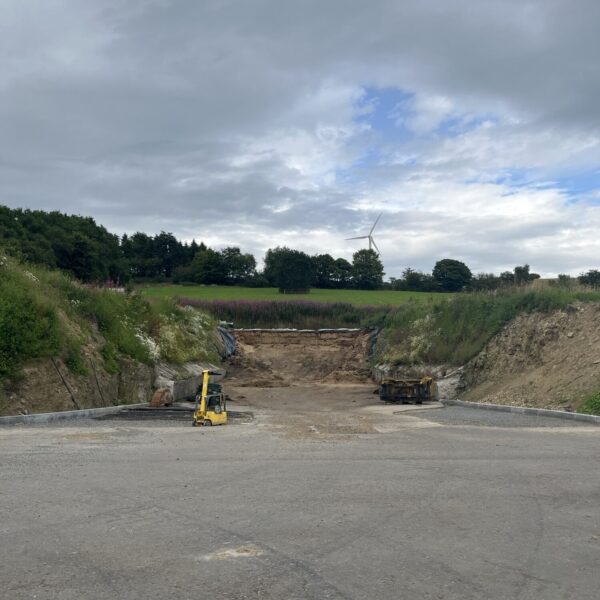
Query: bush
[[453, 331], [591, 405], [74, 359], [121, 319], [110, 357], [29, 325]]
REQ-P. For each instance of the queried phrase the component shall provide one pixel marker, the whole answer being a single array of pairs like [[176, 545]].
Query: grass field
[[222, 292]]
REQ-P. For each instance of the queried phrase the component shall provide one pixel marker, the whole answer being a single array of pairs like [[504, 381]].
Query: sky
[[472, 127]]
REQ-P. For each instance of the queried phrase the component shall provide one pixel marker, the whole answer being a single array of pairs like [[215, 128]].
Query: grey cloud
[[146, 114]]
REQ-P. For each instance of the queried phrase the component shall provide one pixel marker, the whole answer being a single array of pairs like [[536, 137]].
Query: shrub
[[121, 319], [74, 359], [591, 405], [110, 356], [455, 330], [29, 325]]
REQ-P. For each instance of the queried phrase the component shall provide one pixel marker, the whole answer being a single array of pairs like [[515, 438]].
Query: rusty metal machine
[[408, 390]]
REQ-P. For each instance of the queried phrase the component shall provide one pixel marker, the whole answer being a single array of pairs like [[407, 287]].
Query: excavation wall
[[549, 360], [268, 358]]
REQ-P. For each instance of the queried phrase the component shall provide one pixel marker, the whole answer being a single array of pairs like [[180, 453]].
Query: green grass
[[29, 324], [454, 332], [222, 292], [591, 405], [47, 313]]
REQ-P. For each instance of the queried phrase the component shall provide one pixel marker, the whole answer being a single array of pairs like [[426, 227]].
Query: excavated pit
[[282, 358]]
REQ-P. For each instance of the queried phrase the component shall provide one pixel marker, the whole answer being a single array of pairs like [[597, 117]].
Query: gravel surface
[[457, 415], [427, 510]]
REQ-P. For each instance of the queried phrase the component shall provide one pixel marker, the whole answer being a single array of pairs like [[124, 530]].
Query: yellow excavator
[[211, 407]]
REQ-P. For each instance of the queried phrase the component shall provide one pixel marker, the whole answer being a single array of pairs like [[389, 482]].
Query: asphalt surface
[[448, 503]]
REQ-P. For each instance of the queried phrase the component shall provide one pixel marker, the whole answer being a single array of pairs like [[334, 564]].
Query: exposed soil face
[[543, 360], [49, 386], [308, 384], [271, 358]]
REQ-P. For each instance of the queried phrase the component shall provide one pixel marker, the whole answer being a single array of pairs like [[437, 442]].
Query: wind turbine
[[369, 237]]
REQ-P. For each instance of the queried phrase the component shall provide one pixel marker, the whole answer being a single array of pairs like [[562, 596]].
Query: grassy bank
[[46, 313], [221, 292], [439, 329], [453, 332]]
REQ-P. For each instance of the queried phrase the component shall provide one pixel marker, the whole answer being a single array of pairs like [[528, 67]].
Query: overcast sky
[[473, 126]]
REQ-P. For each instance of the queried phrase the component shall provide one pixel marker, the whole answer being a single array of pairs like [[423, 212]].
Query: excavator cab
[[211, 407]]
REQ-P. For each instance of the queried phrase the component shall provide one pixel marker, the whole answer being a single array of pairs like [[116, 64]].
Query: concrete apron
[[523, 410], [396, 409], [88, 413]]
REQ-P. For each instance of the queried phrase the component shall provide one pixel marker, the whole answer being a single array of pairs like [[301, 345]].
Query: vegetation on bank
[[454, 331], [591, 405], [434, 329], [46, 313]]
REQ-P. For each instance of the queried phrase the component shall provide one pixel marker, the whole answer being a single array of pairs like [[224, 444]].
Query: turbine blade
[[376, 248], [375, 224], [362, 237]]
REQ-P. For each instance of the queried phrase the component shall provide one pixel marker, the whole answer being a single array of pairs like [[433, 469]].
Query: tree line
[[93, 254], [451, 275]]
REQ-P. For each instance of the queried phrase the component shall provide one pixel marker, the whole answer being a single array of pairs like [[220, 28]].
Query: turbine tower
[[369, 237]]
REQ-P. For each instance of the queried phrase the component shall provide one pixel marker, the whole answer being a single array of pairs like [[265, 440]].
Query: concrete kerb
[[86, 413], [523, 410]]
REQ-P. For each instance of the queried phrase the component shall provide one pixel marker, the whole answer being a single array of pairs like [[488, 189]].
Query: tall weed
[[29, 325], [294, 313], [455, 330]]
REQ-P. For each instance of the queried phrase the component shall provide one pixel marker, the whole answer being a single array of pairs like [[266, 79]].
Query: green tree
[[524, 275], [237, 267], [485, 282], [415, 281], [451, 275], [591, 278], [342, 275], [367, 270], [207, 267], [168, 252], [289, 270], [323, 270]]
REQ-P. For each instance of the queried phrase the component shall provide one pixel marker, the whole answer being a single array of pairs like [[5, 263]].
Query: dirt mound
[[542, 360], [268, 358]]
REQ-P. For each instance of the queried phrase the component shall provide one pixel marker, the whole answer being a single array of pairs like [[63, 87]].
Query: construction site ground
[[319, 492], [324, 494]]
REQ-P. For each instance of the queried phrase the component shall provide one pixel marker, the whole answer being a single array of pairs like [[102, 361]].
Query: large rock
[[183, 380], [135, 382]]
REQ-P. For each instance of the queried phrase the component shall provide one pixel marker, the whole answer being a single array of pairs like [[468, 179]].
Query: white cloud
[[255, 117], [424, 113]]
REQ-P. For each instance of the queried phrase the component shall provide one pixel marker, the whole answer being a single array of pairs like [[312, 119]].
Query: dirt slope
[[275, 358], [543, 360], [48, 386]]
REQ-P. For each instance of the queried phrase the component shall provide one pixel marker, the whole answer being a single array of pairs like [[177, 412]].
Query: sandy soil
[[278, 359], [541, 360], [305, 383]]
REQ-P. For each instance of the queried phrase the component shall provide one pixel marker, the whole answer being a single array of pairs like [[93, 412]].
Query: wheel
[[194, 424], [207, 423]]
